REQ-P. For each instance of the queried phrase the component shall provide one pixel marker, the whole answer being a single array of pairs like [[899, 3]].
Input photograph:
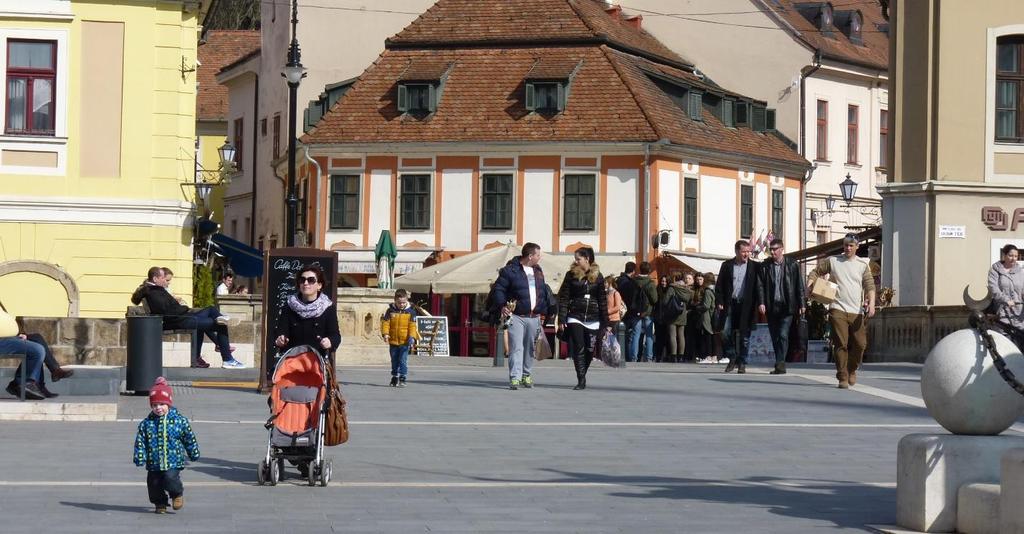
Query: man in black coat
[[736, 298], [521, 282], [780, 297]]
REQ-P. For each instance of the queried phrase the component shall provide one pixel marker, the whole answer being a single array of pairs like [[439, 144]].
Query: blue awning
[[243, 259]]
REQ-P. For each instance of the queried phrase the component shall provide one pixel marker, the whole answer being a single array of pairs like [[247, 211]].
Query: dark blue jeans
[[36, 354], [399, 360], [205, 322], [778, 328], [162, 484], [735, 341]]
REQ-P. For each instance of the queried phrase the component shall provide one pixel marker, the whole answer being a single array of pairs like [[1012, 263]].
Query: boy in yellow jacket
[[400, 332]]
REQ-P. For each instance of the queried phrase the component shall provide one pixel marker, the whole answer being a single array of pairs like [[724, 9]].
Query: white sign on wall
[[949, 231]]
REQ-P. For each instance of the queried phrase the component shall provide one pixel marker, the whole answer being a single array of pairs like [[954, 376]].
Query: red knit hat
[[160, 392]]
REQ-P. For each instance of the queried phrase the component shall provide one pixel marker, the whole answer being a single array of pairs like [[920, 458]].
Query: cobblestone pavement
[[651, 448]]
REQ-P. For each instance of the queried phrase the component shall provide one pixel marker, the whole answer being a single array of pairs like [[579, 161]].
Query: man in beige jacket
[[847, 314]]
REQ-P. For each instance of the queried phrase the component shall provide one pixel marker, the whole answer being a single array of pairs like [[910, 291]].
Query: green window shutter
[[694, 108], [770, 120], [403, 98], [757, 118], [531, 101], [727, 109], [561, 97], [432, 97]]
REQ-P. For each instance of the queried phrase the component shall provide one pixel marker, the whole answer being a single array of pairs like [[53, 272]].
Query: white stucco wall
[[457, 216], [538, 221], [669, 200], [623, 187], [718, 218]]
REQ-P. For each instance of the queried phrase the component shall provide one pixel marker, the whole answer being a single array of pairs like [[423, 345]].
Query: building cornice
[[99, 211], [932, 187]]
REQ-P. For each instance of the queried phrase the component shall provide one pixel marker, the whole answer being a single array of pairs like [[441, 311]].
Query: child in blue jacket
[[164, 438]]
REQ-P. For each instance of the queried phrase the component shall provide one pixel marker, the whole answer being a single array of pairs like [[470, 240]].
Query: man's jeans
[[778, 328], [399, 360], [205, 322], [522, 339], [36, 353], [643, 326], [735, 342]]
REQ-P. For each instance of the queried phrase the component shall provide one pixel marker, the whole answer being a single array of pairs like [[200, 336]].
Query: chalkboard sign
[[433, 335], [279, 273]]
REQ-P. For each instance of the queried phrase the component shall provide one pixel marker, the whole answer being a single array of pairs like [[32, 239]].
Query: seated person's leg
[[50, 361], [35, 352]]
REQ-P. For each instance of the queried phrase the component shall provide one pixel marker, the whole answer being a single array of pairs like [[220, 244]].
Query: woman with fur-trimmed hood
[[583, 312]]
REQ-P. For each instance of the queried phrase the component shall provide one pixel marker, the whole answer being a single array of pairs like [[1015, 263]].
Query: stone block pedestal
[[1011, 506], [932, 467]]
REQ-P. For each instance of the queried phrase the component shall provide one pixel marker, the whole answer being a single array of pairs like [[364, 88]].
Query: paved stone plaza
[[655, 448]]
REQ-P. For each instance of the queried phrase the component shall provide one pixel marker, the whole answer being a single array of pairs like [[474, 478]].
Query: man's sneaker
[[853, 378], [233, 364], [178, 502], [394, 381], [401, 381], [12, 388], [200, 364], [227, 320], [514, 384], [843, 384], [161, 510], [32, 391], [527, 382]]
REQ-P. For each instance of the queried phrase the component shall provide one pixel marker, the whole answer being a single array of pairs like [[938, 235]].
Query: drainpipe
[[804, 74], [255, 144], [316, 188]]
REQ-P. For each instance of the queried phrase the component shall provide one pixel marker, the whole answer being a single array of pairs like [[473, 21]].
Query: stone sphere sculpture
[[962, 388]]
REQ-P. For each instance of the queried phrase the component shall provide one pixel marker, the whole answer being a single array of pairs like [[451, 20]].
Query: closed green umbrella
[[384, 255]]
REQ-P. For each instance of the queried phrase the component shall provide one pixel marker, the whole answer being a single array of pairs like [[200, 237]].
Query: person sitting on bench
[[12, 343], [208, 321]]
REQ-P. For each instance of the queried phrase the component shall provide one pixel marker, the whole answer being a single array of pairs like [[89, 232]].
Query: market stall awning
[[243, 259], [700, 262], [475, 272], [834, 247], [363, 260]]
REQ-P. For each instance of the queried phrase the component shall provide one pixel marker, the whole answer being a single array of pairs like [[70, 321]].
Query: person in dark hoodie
[[521, 298], [583, 312], [208, 321]]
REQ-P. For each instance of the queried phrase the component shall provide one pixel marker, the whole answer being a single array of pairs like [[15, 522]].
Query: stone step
[[1011, 472], [88, 380], [977, 509], [103, 408]]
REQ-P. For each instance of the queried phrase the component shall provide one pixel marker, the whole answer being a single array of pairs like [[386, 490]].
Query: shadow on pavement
[[226, 469], [845, 504], [100, 507]]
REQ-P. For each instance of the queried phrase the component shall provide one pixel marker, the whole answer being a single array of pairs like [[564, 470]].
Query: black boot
[[581, 382], [780, 369]]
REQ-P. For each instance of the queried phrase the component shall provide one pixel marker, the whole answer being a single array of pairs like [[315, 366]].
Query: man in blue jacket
[[521, 281]]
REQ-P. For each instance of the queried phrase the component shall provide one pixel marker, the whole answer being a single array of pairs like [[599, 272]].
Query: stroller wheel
[[325, 473], [261, 473], [280, 469], [314, 473], [275, 473]]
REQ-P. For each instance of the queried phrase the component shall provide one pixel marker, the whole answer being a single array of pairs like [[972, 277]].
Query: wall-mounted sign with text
[[949, 231], [997, 220]]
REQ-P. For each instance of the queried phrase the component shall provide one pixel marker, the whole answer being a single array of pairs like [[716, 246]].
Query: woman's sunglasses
[[308, 280]]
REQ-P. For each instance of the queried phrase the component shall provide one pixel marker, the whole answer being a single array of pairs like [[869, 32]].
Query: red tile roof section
[[222, 47], [462, 22], [875, 49]]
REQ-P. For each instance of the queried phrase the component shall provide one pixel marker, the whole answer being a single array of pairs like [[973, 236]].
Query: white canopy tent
[[475, 272]]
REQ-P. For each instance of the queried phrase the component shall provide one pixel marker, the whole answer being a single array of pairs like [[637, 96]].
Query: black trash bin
[[145, 352]]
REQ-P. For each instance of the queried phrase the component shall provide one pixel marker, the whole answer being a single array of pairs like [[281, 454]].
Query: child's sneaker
[[401, 381], [160, 510], [514, 384], [227, 320], [527, 382], [233, 364], [394, 381], [178, 502]]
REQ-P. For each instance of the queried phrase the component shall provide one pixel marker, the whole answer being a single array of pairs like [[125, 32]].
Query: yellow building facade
[[97, 151]]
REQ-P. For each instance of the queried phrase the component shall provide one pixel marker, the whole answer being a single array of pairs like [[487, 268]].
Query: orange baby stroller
[[296, 424]]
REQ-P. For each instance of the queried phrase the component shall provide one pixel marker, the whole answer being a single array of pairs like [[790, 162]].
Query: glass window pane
[[16, 100], [1006, 122], [1006, 57], [851, 115], [30, 55], [42, 104], [1006, 95]]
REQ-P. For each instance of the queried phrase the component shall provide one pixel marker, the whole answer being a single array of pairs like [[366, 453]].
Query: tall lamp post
[[294, 72]]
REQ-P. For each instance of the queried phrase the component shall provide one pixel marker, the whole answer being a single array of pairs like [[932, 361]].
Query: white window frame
[[991, 147]]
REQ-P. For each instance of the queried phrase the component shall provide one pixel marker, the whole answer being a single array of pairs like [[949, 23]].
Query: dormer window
[[545, 96], [728, 106], [851, 23], [694, 105], [856, 24], [758, 118], [548, 83], [421, 85], [742, 113], [825, 19]]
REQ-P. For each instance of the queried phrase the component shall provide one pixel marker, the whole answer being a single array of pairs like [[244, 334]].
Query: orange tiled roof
[[462, 22], [611, 100], [222, 47], [874, 52]]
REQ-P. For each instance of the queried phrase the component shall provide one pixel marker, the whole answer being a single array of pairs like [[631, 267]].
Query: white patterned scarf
[[307, 310]]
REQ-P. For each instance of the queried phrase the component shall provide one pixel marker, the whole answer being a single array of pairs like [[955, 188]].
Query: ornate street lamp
[[294, 72], [849, 189], [830, 203], [227, 159]]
